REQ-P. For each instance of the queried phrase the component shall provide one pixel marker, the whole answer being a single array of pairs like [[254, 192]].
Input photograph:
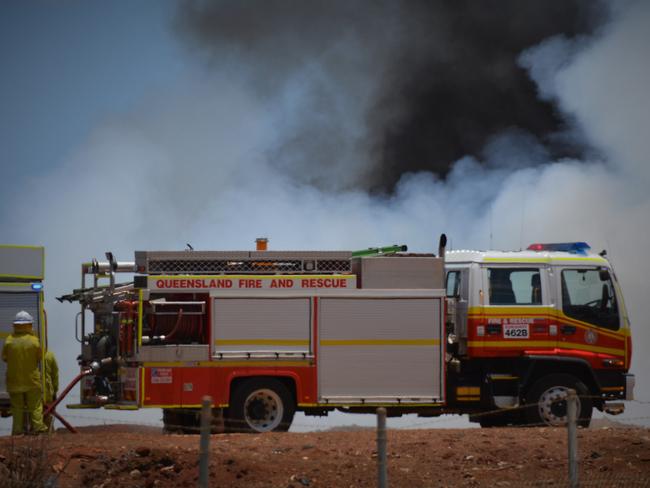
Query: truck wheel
[[260, 405], [546, 401]]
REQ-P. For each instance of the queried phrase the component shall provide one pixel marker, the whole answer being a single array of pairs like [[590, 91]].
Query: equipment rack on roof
[[243, 262]]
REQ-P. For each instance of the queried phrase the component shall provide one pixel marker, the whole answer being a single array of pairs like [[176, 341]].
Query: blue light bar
[[572, 247], [37, 286]]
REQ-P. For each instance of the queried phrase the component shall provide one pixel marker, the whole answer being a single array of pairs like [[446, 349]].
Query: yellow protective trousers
[[31, 402]]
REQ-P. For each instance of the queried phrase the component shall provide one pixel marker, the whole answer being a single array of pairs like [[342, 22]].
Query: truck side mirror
[[453, 284]]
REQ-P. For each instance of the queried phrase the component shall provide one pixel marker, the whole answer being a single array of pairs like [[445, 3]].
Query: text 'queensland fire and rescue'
[[254, 283]]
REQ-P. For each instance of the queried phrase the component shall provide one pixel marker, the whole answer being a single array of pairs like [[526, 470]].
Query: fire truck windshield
[[588, 295]]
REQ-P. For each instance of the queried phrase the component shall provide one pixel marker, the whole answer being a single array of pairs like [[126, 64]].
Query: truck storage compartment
[[400, 272], [173, 353], [261, 327], [382, 349], [175, 322]]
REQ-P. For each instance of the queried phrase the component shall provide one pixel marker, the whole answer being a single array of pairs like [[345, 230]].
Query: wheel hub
[[553, 405], [263, 410], [257, 410]]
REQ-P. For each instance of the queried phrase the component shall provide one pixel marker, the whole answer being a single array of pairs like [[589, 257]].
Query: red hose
[[175, 330], [129, 309], [58, 400]]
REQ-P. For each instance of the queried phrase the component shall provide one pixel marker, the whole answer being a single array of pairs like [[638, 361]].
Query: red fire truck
[[268, 333]]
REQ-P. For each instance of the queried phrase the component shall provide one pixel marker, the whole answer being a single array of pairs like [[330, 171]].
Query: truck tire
[[546, 401], [260, 405]]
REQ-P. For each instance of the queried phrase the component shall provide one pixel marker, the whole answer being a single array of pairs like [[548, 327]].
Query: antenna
[[611, 250], [490, 247], [521, 229]]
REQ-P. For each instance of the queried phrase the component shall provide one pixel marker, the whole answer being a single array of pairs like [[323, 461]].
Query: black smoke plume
[[407, 86]]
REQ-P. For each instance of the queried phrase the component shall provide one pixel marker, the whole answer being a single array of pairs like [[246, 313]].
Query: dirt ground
[[128, 456]]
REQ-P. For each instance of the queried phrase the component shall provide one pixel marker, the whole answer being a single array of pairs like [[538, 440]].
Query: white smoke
[[197, 166], [603, 86]]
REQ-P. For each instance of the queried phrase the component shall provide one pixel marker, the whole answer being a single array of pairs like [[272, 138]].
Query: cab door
[[517, 309], [589, 317]]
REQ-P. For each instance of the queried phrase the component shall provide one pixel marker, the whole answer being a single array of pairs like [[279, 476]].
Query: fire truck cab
[[528, 325]]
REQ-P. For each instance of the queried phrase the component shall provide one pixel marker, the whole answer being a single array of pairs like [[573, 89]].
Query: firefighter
[[22, 353], [51, 372]]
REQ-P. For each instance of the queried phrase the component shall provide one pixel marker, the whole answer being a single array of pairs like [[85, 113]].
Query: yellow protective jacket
[[51, 371], [22, 353]]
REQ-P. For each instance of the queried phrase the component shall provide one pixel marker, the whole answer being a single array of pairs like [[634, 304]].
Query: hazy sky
[[68, 66], [149, 124]]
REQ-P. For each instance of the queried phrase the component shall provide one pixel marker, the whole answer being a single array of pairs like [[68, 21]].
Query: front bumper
[[629, 386], [616, 408]]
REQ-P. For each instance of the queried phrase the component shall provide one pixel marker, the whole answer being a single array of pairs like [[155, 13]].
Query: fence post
[[572, 414], [204, 446], [382, 471]]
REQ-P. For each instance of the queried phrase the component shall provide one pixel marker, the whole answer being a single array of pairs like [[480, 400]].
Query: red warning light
[[536, 247]]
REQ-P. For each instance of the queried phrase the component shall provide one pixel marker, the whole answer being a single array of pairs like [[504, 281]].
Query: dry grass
[[25, 463]]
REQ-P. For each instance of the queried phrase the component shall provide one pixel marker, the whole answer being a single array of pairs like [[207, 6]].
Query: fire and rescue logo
[[161, 376], [591, 336]]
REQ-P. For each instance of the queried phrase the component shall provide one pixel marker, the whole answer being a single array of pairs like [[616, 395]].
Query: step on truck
[[500, 336]]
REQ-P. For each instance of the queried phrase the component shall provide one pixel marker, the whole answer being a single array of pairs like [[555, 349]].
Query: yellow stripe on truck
[[468, 390], [380, 342], [546, 313], [140, 314], [550, 344], [544, 260], [22, 277], [247, 277], [261, 342], [226, 363]]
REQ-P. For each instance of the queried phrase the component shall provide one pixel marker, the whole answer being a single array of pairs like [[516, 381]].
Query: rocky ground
[[127, 456]]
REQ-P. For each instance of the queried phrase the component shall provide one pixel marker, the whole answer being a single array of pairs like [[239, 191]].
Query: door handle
[[568, 329], [493, 329]]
